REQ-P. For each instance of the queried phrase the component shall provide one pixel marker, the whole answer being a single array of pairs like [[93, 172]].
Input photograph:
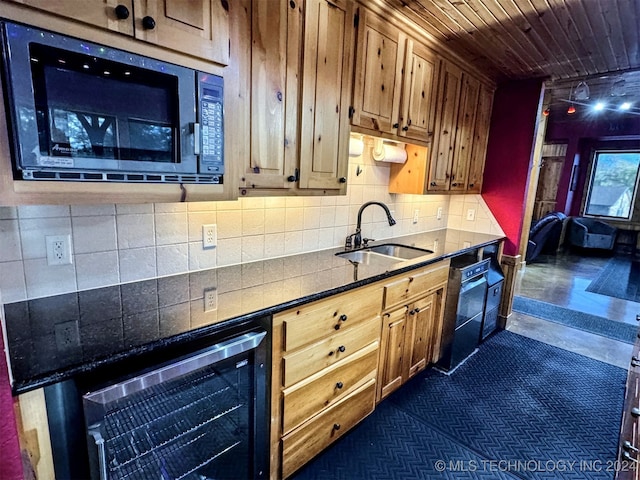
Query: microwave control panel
[[212, 126]]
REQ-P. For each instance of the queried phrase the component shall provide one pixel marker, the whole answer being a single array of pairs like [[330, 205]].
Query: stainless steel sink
[[384, 255], [399, 251]]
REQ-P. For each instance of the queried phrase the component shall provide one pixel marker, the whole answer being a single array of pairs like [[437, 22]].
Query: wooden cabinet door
[[100, 13], [442, 152], [326, 93], [391, 352], [379, 61], [480, 138], [418, 114], [194, 27], [276, 30], [418, 335], [464, 133]]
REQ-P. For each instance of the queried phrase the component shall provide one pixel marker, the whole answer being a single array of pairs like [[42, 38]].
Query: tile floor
[[562, 280]]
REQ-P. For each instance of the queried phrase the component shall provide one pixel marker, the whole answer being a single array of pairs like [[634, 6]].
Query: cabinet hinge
[[356, 20], [351, 111]]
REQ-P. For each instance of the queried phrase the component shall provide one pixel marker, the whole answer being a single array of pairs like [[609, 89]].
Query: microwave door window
[[81, 134], [149, 142], [99, 112]]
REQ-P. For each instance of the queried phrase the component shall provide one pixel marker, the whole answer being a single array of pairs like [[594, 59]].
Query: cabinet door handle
[[396, 125], [405, 128], [148, 23], [433, 184], [342, 179], [341, 348], [122, 12], [339, 385], [336, 426], [343, 318], [635, 411]]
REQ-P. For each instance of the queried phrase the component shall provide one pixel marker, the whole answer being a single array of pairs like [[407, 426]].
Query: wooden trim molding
[[510, 266]]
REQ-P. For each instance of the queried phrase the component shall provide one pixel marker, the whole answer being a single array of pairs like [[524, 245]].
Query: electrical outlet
[[58, 249], [439, 214], [210, 300], [471, 214], [209, 236], [67, 335], [416, 213]]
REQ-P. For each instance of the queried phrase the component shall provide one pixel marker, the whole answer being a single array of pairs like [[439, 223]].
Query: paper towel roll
[[392, 154], [356, 146]]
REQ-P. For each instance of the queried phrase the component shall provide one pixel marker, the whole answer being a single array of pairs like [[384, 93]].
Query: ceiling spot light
[[598, 107], [571, 110], [625, 106]]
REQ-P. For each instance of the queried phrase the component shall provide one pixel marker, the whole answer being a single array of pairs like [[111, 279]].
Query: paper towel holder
[[378, 153]]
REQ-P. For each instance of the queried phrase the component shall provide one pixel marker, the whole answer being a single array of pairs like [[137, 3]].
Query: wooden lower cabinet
[[333, 359], [314, 436], [628, 455]]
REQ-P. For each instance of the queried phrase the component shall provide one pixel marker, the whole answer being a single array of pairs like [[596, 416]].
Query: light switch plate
[[439, 214]]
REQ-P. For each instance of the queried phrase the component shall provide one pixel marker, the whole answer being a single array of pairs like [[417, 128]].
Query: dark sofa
[[544, 235], [591, 233]]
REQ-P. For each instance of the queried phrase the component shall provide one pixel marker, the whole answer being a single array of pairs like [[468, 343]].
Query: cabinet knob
[[342, 179], [122, 12], [454, 184], [635, 362], [336, 426], [341, 348], [331, 353], [638, 317], [396, 125], [635, 411], [405, 128], [339, 385], [148, 23], [343, 318], [471, 185], [627, 445], [433, 184], [337, 326], [292, 4]]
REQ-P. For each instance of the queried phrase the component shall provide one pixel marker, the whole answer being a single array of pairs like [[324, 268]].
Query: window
[[613, 184]]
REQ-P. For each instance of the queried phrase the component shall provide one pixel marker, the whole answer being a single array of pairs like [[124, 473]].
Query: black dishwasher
[[464, 309]]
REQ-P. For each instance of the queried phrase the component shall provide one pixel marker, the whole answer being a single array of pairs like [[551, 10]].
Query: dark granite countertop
[[53, 338]]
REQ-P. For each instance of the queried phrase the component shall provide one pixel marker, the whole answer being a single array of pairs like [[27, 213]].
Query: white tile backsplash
[[131, 242]]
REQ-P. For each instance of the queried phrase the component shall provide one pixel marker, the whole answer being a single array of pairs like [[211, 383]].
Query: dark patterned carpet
[[620, 278], [518, 409]]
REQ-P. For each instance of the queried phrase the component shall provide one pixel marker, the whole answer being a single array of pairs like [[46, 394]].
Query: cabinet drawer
[[309, 397], [306, 442], [418, 283], [317, 320], [312, 359]]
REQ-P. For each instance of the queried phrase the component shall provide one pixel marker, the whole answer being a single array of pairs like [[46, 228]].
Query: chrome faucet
[[355, 240]]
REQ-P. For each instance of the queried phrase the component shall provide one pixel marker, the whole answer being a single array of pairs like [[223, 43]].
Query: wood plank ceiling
[[564, 41]]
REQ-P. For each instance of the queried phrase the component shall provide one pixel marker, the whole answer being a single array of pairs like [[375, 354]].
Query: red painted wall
[[10, 461], [579, 132], [509, 154]]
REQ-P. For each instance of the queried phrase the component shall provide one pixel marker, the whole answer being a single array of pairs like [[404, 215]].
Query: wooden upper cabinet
[[480, 139], [464, 133], [378, 74], [195, 27], [421, 70], [326, 93], [274, 65], [447, 116], [396, 82]]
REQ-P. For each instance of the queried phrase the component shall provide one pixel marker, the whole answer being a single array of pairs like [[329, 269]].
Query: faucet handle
[[348, 242], [365, 241]]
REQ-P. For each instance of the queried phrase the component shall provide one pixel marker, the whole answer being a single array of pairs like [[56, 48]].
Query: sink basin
[[367, 257], [384, 255], [399, 251]]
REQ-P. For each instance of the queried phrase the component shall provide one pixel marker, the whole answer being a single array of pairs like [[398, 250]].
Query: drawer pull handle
[[341, 348], [339, 385], [336, 426], [635, 411], [343, 318]]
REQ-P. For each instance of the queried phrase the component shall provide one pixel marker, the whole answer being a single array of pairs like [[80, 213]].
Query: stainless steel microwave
[[87, 112]]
